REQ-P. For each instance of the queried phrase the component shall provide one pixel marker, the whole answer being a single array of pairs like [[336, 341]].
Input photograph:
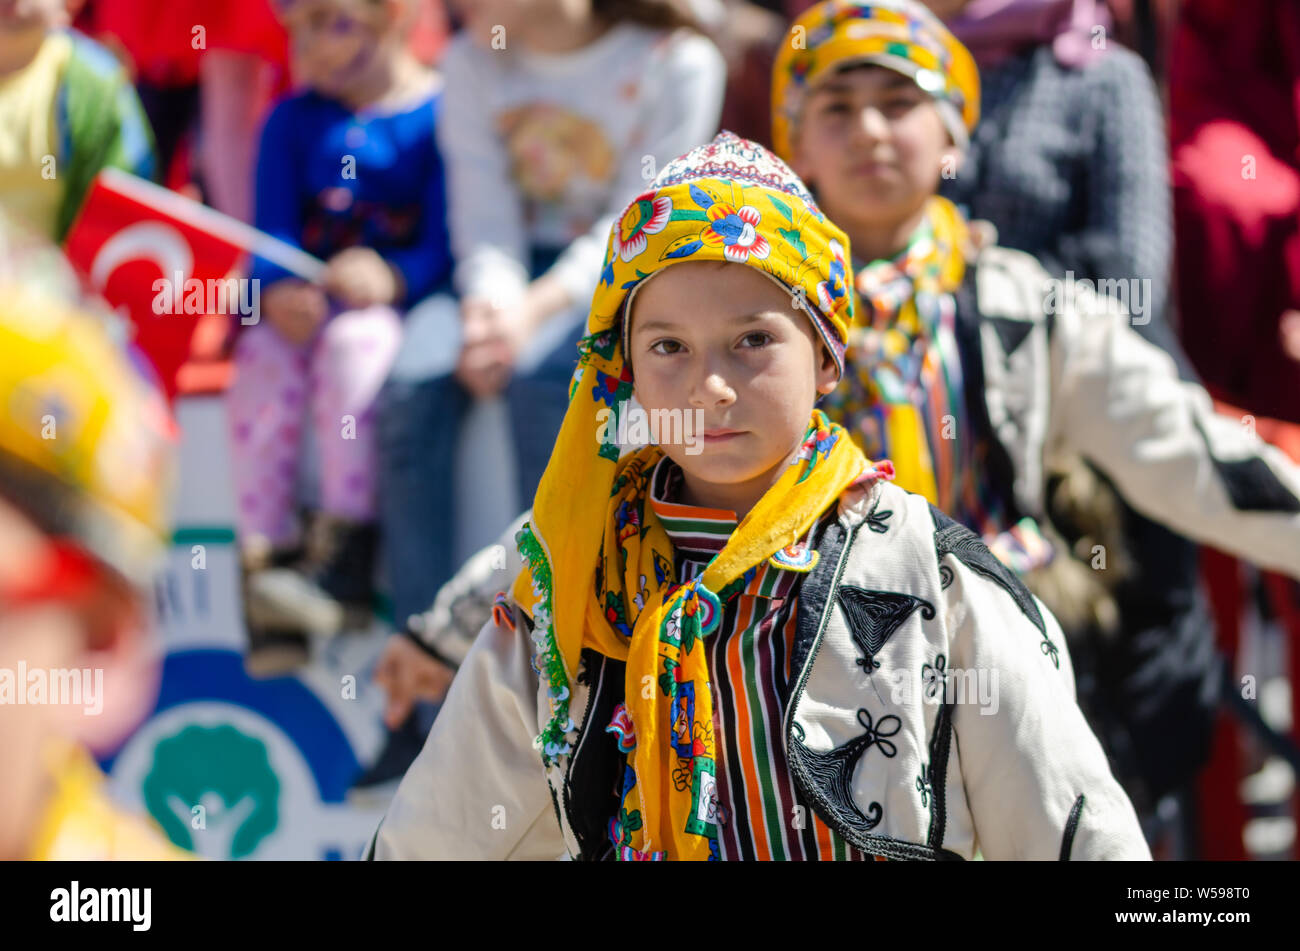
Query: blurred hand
[[358, 277], [295, 309], [1290, 332], [493, 338], [408, 674]]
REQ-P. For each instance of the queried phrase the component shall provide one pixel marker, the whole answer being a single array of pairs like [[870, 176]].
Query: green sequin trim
[[553, 740]]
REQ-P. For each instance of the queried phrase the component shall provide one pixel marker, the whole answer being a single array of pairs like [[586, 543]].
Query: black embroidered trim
[[940, 745], [1000, 470], [953, 538], [1071, 826], [945, 577], [369, 854], [590, 796], [874, 616], [833, 771], [1251, 484], [555, 804], [583, 676], [1011, 333], [813, 614], [813, 591]]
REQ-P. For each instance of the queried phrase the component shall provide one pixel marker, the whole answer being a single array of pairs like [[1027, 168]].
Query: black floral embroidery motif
[[876, 519], [935, 677], [1049, 649], [875, 615], [953, 538], [831, 773], [923, 785], [945, 576]]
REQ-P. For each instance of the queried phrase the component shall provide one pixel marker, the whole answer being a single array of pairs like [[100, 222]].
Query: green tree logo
[[217, 782]]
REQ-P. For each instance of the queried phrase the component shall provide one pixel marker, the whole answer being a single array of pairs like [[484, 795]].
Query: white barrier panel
[[229, 766]]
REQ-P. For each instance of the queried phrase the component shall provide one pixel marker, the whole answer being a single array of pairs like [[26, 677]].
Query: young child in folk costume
[[749, 652], [1012, 379]]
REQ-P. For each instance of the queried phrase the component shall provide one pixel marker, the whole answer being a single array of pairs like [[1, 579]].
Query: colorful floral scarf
[[669, 798], [902, 394], [599, 574]]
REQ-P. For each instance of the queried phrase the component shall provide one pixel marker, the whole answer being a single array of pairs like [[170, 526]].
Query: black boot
[[273, 651], [330, 590]]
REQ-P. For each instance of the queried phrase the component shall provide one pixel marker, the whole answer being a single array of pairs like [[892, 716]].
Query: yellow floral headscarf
[[598, 564], [900, 34]]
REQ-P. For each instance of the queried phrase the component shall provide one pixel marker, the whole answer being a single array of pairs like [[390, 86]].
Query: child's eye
[[665, 347], [758, 338], [900, 105]]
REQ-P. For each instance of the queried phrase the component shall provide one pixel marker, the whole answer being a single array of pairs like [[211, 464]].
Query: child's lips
[[721, 435], [872, 169]]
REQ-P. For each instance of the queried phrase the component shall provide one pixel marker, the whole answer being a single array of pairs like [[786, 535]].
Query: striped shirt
[[760, 815]]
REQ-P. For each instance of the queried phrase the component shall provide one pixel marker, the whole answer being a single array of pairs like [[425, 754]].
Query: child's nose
[[872, 124], [712, 390]]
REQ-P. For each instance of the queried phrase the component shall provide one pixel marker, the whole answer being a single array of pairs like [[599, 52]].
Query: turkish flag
[[163, 260]]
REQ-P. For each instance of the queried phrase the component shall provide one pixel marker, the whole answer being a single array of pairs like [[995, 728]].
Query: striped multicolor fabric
[[760, 813]]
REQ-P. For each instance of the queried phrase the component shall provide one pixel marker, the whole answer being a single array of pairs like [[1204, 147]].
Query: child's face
[[725, 340], [873, 145], [22, 15], [335, 43], [97, 638], [946, 9], [489, 21]]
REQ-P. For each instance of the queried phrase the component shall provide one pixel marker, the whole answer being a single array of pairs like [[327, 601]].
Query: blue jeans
[[419, 423]]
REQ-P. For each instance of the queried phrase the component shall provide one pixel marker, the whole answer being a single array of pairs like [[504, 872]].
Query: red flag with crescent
[[173, 266]]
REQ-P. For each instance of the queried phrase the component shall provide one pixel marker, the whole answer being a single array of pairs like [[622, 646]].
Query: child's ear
[[951, 161], [827, 372]]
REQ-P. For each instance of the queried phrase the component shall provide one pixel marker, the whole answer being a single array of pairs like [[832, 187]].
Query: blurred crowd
[[458, 167]]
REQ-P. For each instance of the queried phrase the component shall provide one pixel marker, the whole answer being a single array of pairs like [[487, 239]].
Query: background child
[[1069, 163], [67, 110], [554, 112], [349, 171], [982, 381]]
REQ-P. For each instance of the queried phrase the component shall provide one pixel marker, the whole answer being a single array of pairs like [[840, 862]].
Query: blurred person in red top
[[1235, 150], [223, 62]]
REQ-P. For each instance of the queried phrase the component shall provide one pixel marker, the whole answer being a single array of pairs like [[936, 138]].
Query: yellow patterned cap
[[85, 439], [731, 200], [901, 35]]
